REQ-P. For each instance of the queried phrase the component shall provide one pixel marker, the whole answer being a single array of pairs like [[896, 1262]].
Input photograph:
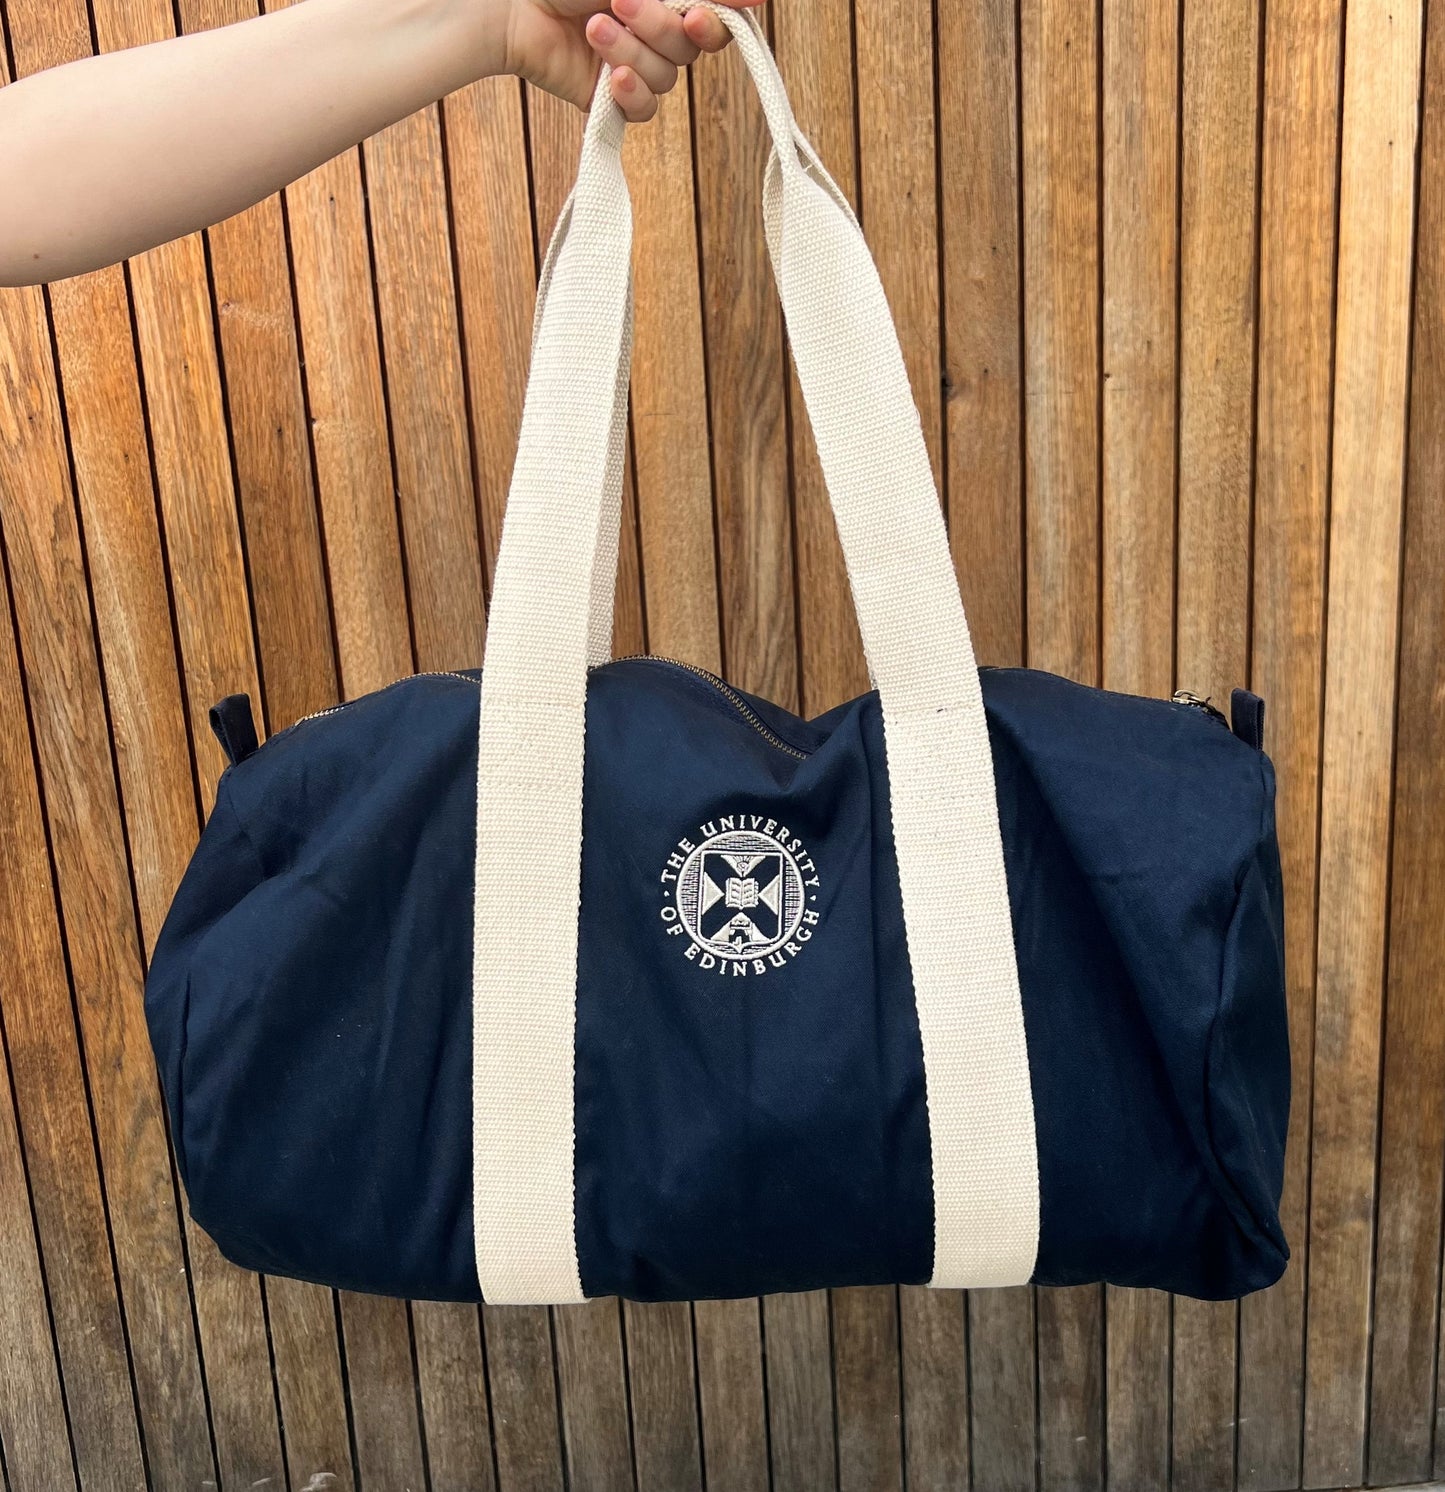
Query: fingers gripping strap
[[955, 897]]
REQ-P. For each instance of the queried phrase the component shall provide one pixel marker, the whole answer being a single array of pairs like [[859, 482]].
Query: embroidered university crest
[[744, 895]]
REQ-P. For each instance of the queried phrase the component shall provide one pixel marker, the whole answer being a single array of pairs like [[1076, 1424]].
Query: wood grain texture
[[1141, 282], [1059, 169], [742, 323], [663, 1389], [266, 407], [35, 1439], [815, 48], [426, 393], [802, 1422], [978, 166], [934, 1329], [1298, 155], [1372, 310], [1405, 1340], [310, 1389], [672, 465], [1004, 1388], [869, 1388], [452, 1378], [91, 328], [731, 1398], [496, 269], [381, 1380], [40, 1025], [521, 1376], [592, 1377], [34, 1434]]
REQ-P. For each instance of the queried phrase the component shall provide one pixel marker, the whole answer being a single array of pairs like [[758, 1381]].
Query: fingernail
[[604, 30], [627, 7], [626, 80]]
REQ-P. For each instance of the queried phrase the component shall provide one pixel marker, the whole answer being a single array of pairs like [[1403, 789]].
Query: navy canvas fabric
[[747, 1131]]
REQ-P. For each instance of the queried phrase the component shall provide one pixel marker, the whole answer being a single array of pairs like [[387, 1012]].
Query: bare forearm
[[115, 154]]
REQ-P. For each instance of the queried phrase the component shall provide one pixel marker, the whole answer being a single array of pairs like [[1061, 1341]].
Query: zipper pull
[[1193, 702]]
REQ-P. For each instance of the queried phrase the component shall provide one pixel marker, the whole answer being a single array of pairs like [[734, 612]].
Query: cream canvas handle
[[551, 617]]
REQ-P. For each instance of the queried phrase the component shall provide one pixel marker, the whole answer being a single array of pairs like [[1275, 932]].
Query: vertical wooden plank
[[382, 1382], [1003, 1389], [103, 946], [1440, 1383], [1137, 1375], [1412, 1144], [669, 392], [306, 1347], [742, 325], [663, 1388], [1059, 167], [555, 137], [33, 1427], [1071, 1388], [1216, 397], [342, 367], [521, 1370], [1216, 351], [1296, 316], [452, 1376], [978, 147], [1140, 133], [34, 1430], [1140, 174], [40, 1030], [554, 133], [1377, 200], [814, 46], [496, 278], [731, 1397], [256, 315], [870, 1400], [898, 188], [426, 394], [596, 1431], [934, 1326], [1059, 163], [801, 1429]]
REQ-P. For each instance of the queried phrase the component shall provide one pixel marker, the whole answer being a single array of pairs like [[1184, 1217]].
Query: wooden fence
[[1170, 284]]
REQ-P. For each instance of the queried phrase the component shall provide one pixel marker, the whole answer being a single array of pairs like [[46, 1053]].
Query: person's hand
[[557, 44]]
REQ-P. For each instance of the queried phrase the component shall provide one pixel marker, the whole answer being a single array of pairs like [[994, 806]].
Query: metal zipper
[[1194, 702], [347, 703], [727, 692]]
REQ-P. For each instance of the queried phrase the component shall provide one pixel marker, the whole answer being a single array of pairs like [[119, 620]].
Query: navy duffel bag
[[569, 977]]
